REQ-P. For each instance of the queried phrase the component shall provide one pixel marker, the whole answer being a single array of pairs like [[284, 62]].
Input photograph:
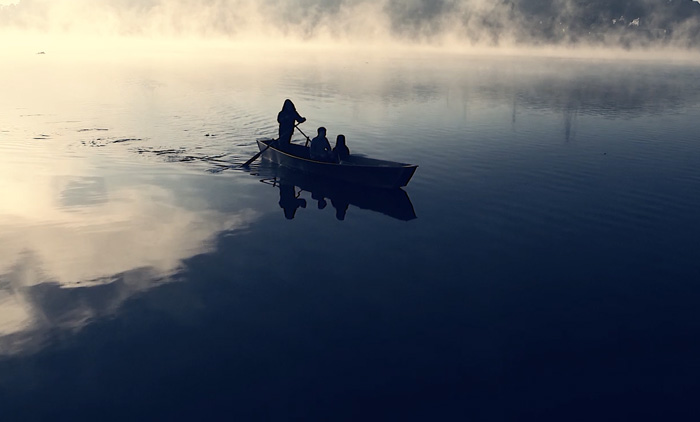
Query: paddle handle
[[307, 138]]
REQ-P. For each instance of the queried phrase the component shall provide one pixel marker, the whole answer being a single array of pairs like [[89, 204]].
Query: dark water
[[541, 265]]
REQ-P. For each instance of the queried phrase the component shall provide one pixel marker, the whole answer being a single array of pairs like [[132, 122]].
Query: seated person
[[320, 149], [341, 151]]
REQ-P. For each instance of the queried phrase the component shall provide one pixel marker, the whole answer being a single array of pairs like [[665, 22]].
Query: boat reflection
[[394, 203]]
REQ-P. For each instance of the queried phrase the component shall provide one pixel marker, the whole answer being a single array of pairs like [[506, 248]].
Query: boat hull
[[359, 170]]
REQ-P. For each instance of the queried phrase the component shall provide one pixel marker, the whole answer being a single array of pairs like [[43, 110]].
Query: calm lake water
[[550, 273]]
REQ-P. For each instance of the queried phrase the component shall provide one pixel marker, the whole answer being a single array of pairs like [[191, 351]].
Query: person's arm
[[298, 117]]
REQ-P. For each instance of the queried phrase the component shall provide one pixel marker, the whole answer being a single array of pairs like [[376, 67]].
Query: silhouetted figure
[[289, 201], [287, 119], [320, 149], [340, 151]]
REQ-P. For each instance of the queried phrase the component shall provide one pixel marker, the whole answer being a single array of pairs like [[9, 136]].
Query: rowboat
[[355, 169]]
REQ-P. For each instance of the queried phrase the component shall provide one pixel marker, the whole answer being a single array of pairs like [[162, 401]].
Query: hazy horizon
[[446, 25]]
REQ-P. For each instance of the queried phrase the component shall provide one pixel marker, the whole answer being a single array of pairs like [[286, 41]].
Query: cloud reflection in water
[[73, 249]]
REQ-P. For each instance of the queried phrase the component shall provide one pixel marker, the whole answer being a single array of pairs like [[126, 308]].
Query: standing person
[[340, 151], [320, 149], [287, 118]]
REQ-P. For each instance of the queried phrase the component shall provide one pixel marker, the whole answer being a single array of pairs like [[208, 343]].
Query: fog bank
[[499, 23]]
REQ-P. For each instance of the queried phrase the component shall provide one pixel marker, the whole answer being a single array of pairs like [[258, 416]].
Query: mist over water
[[438, 23]]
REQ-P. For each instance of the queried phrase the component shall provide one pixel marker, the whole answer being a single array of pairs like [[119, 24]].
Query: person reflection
[[320, 149], [340, 151], [287, 118], [341, 204], [320, 199], [289, 201]]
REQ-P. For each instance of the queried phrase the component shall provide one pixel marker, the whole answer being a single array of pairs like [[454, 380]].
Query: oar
[[307, 138], [255, 157]]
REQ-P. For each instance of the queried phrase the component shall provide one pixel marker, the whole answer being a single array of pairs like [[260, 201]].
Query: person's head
[[340, 140], [288, 105], [322, 131], [291, 209]]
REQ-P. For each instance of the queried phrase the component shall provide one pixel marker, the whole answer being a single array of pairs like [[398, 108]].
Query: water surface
[[544, 266]]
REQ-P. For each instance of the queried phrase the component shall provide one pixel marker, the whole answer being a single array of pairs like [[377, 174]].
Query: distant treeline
[[598, 20], [626, 22]]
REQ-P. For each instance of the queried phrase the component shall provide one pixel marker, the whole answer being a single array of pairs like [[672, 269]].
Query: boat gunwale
[[396, 165]]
